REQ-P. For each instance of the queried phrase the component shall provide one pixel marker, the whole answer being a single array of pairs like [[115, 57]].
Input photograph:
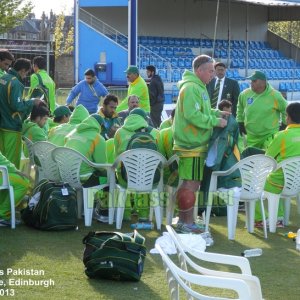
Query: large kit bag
[[114, 255], [52, 207]]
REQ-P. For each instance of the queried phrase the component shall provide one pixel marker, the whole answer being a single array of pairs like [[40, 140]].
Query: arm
[[74, 93], [282, 104], [274, 148], [240, 110], [99, 154], [101, 89], [15, 101]]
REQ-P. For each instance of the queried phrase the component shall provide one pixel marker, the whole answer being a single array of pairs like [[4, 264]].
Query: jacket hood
[[27, 125], [79, 114], [89, 124], [134, 122], [189, 76]]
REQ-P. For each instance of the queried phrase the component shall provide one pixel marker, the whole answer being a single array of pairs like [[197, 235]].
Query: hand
[[222, 122], [225, 114], [242, 128], [112, 131]]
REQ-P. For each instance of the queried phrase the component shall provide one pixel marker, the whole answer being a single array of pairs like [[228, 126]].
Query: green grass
[[59, 255]]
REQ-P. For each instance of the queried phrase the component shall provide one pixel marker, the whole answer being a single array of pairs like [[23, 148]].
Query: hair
[[151, 68], [224, 103], [22, 63], [110, 97], [5, 54], [201, 60], [133, 96], [39, 110], [219, 64], [293, 110], [89, 72], [40, 62]]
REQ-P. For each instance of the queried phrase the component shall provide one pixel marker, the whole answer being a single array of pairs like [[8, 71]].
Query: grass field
[[59, 256]]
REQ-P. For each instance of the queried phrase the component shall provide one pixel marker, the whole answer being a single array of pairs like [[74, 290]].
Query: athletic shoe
[[4, 222]]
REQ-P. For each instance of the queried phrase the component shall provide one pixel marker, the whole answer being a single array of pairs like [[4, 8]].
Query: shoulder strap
[[39, 79]]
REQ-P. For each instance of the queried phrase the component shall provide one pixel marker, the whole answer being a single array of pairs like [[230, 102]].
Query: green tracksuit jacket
[[87, 140], [48, 82], [57, 135], [33, 131], [261, 112], [14, 109], [166, 124], [286, 144], [194, 118], [131, 125], [139, 88]]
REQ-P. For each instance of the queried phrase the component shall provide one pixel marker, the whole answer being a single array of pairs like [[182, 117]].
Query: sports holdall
[[52, 207], [114, 255]]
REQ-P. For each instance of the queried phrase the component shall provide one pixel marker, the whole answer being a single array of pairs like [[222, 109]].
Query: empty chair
[[181, 62], [140, 165], [164, 41], [174, 62], [178, 278], [163, 51], [254, 171], [291, 171], [69, 170], [163, 74], [176, 75], [5, 185], [170, 51]]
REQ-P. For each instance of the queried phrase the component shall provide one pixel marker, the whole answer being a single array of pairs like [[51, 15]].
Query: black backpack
[[40, 91], [56, 208]]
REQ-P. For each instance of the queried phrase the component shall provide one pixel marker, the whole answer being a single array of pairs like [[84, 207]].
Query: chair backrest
[[178, 277], [254, 171], [29, 145], [5, 179], [69, 163], [291, 171], [140, 166], [45, 163]]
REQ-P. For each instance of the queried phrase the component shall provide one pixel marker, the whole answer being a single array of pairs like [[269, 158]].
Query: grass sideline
[[59, 255]]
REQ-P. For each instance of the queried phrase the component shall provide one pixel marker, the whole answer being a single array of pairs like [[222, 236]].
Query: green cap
[[132, 70], [61, 111], [140, 112], [98, 118], [258, 75]]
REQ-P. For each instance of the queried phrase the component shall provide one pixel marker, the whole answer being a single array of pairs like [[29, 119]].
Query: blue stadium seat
[[170, 51], [234, 63], [151, 40], [297, 86], [175, 92], [181, 62], [244, 85], [241, 63], [183, 42], [174, 62], [229, 73], [163, 51], [144, 62], [153, 60], [144, 40], [196, 43], [163, 74], [189, 42], [282, 87], [171, 41], [160, 63], [164, 41], [155, 50], [157, 40], [176, 75], [236, 75], [188, 62], [177, 41]]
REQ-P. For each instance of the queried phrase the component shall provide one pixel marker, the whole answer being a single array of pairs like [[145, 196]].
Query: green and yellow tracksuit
[[261, 114], [20, 185], [47, 82], [14, 110], [87, 140], [166, 124], [110, 151], [140, 89], [109, 123], [194, 121], [57, 135]]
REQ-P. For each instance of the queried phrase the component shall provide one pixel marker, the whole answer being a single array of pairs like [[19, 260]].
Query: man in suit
[[222, 87]]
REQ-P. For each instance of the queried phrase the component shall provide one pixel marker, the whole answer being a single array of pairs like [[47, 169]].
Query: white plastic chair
[[176, 278], [140, 166], [291, 171], [29, 144], [6, 186], [241, 262], [69, 162], [254, 171], [48, 168]]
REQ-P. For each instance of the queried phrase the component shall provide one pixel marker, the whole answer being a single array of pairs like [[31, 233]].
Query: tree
[[63, 46], [12, 13]]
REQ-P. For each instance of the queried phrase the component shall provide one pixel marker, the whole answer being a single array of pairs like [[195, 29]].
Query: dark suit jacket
[[231, 91]]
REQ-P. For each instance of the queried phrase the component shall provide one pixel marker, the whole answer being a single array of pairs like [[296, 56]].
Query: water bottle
[[142, 225], [252, 252], [298, 240]]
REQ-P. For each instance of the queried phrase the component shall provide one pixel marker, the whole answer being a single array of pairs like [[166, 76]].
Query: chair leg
[[12, 208], [250, 212], [155, 203], [298, 203], [170, 207], [273, 203], [287, 208], [79, 197], [88, 205], [262, 208], [120, 208], [208, 210], [232, 212], [111, 206]]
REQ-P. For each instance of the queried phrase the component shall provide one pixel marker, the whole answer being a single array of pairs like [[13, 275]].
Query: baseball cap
[[61, 111], [132, 70], [258, 75], [140, 112]]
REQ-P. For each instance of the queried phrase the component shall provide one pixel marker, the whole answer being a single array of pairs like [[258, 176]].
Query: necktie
[[215, 96]]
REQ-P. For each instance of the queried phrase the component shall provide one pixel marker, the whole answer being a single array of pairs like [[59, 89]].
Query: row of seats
[[167, 51], [289, 86], [204, 43], [263, 63], [241, 53]]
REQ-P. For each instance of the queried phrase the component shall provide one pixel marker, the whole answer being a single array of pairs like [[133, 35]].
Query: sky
[[56, 5]]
